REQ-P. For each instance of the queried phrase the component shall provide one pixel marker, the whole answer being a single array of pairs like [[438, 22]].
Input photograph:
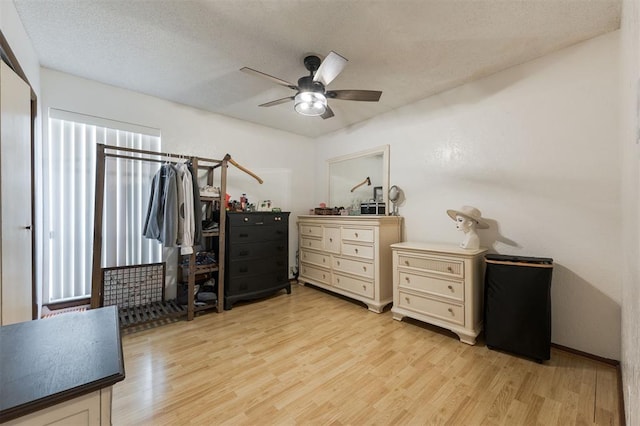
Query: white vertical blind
[[69, 196]]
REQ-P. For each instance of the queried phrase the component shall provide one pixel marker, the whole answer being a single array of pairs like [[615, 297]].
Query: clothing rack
[[107, 151]]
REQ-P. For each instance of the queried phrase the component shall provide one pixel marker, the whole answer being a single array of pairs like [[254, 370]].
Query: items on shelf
[[207, 292], [183, 293], [210, 191], [202, 258], [242, 206], [210, 225]]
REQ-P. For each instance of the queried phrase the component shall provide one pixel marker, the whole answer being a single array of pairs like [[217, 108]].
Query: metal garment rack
[[106, 151]]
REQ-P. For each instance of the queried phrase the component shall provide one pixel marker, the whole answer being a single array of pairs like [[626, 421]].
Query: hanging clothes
[[197, 208], [162, 212], [180, 201], [186, 223]]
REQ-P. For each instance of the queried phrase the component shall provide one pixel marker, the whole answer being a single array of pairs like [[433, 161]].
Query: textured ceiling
[[191, 51]]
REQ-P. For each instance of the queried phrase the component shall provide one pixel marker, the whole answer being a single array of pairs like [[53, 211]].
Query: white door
[[15, 198]]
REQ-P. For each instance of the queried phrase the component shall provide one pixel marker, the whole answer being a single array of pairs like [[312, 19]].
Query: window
[[69, 197]]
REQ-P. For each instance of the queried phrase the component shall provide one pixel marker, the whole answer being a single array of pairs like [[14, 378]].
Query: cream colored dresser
[[350, 255], [441, 285]]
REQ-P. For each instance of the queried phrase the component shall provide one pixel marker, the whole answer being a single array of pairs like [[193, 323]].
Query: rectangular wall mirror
[[351, 171]]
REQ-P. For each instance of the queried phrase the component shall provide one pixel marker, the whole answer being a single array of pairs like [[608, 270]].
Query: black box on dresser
[[257, 255]]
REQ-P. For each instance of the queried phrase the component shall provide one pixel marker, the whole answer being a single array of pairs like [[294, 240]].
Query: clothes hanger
[[247, 171]]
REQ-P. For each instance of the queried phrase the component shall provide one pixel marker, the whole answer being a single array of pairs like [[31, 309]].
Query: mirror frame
[[372, 152]]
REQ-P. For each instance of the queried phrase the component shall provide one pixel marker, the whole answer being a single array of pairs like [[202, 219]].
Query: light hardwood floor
[[315, 358]]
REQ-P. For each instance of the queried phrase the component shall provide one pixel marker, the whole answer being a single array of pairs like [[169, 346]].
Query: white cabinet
[[441, 285], [349, 255], [92, 409]]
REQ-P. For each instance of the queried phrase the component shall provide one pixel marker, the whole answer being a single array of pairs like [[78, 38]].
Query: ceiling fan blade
[[329, 69], [277, 101], [327, 114], [269, 77], [355, 95]]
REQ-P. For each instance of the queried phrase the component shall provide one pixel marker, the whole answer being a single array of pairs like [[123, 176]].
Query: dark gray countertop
[[46, 362]]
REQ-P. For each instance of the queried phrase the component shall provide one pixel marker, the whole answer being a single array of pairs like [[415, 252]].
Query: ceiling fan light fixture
[[310, 103]]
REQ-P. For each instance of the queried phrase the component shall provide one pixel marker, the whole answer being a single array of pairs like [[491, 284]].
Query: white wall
[[630, 142], [283, 160], [535, 149]]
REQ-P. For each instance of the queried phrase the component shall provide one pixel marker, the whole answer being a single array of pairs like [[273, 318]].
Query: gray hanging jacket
[[161, 222]]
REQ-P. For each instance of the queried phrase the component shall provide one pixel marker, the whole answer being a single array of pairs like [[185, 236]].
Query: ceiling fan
[[311, 97]]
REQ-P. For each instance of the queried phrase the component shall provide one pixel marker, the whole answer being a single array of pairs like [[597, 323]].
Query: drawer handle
[[338, 262], [246, 219], [450, 269], [356, 251], [330, 240], [323, 276], [356, 235], [304, 255], [309, 243], [338, 280], [406, 262], [364, 287], [324, 260], [364, 268], [450, 311], [450, 287], [407, 300], [407, 279]]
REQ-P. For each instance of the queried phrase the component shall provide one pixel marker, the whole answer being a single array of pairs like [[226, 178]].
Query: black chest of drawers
[[257, 256]]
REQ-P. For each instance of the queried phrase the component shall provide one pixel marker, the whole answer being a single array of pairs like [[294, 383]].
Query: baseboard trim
[[623, 419], [68, 304], [612, 362]]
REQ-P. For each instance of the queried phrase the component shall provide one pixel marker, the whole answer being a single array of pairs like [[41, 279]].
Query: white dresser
[[441, 285], [350, 255]]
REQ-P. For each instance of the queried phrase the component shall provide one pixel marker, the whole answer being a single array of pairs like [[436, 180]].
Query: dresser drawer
[[237, 268], [445, 311], [332, 239], [311, 230], [313, 273], [263, 249], [358, 234], [354, 285], [446, 288], [263, 218], [311, 243], [432, 264], [253, 283], [240, 234], [365, 252], [242, 219], [353, 266], [315, 258]]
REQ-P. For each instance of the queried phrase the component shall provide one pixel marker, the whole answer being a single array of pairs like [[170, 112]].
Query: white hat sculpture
[[468, 219]]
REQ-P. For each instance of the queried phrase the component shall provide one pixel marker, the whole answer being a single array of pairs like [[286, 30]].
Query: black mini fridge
[[517, 315]]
